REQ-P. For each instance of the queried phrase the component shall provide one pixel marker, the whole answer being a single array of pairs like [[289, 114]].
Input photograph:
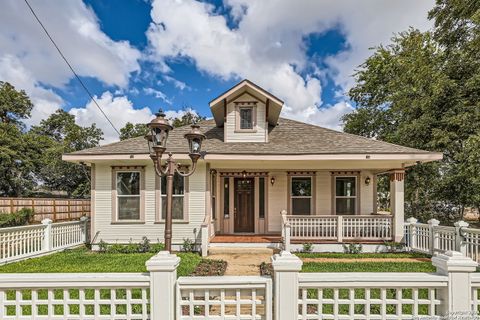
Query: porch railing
[[337, 228]]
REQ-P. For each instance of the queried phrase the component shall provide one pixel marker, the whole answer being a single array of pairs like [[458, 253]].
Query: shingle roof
[[289, 137]]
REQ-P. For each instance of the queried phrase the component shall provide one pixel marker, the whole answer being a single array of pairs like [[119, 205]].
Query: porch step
[[236, 249]]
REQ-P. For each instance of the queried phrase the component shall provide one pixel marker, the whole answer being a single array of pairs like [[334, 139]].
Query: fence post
[[285, 275], [432, 223], [457, 296], [339, 228], [205, 237], [47, 235], [84, 220], [163, 277], [459, 245], [288, 229], [411, 239]]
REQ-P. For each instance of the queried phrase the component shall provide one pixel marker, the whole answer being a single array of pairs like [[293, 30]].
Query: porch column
[[397, 201]]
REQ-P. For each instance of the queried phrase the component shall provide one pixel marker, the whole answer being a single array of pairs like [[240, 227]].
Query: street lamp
[[157, 145]]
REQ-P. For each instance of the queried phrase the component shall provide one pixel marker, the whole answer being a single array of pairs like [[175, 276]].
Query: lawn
[[83, 260], [338, 255]]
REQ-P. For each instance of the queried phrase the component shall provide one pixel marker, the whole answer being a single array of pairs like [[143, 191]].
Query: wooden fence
[[56, 209]]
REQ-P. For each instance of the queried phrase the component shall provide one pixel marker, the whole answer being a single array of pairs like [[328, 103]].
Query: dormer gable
[[245, 111]]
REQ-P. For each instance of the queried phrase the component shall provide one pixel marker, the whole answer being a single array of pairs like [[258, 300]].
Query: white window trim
[[335, 197], [115, 196], [311, 197]]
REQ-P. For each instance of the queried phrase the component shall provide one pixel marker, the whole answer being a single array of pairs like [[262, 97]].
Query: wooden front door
[[244, 205]]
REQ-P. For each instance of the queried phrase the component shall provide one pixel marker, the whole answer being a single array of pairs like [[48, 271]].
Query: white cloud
[[157, 94], [177, 83], [330, 116], [119, 110], [268, 45], [30, 62]]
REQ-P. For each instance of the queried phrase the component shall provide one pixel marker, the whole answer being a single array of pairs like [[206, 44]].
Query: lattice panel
[[94, 303], [367, 303]]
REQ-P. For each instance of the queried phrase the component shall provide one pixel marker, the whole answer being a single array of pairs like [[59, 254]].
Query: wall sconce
[[272, 181], [244, 174], [367, 181]]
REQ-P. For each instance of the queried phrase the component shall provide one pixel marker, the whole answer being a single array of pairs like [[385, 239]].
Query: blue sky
[[137, 56]]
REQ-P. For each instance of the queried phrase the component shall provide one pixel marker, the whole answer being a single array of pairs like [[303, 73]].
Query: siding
[[277, 201], [324, 193], [123, 233], [261, 133], [366, 193]]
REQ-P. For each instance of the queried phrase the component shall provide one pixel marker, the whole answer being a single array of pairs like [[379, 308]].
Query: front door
[[244, 200]]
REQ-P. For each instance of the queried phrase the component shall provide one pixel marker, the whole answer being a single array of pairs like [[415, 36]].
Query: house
[[261, 175]]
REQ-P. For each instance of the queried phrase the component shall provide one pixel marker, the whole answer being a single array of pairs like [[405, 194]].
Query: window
[[246, 118], [345, 195], [301, 195], [261, 198], [128, 195], [226, 196], [177, 195]]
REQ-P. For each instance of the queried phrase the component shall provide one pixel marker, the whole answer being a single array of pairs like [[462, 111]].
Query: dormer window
[[246, 116]]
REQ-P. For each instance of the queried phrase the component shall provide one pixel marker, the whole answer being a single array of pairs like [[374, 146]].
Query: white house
[[257, 166]]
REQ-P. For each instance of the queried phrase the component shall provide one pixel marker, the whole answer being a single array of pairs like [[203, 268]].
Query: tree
[[64, 136], [188, 117], [14, 105], [423, 91], [133, 130]]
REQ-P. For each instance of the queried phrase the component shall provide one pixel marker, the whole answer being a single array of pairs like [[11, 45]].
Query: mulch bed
[[209, 267], [266, 269]]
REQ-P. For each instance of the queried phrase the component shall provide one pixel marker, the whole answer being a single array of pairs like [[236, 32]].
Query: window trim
[[313, 192], [335, 197], [158, 201], [246, 105], [114, 218]]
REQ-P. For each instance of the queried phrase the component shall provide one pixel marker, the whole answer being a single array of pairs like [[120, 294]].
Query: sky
[[137, 56]]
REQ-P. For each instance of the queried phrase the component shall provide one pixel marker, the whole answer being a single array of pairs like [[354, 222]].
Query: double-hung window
[[178, 196], [246, 118], [345, 195], [301, 195], [128, 199]]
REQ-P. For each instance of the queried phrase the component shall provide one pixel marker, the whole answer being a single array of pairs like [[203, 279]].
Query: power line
[[71, 68]]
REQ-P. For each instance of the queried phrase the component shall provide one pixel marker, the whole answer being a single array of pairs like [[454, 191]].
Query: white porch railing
[[338, 228], [432, 238], [159, 295], [18, 243]]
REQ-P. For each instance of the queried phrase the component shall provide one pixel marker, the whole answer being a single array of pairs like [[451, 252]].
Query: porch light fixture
[[272, 181], [244, 174], [157, 145], [367, 181]]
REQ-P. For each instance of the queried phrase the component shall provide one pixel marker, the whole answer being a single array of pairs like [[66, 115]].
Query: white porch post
[[85, 236], [285, 272], [457, 296], [205, 239], [163, 277], [397, 202]]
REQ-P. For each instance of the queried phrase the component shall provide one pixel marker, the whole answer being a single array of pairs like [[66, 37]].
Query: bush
[[18, 218], [307, 247], [144, 246], [352, 248], [393, 247], [188, 245], [102, 246]]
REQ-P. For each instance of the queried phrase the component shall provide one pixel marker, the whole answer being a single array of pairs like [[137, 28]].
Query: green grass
[[335, 255], [368, 267], [83, 260]]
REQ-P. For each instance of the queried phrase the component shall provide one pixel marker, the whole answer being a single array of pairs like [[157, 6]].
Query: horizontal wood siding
[[277, 201], [324, 193], [123, 233], [260, 124], [366, 193]]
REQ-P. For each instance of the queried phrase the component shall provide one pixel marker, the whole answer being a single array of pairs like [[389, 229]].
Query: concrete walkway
[[242, 261]]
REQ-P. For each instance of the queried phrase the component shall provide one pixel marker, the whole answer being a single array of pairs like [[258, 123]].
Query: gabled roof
[[273, 104], [289, 137]]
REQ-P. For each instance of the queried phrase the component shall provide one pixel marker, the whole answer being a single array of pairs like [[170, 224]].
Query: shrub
[[18, 218], [394, 246], [102, 246], [144, 245], [352, 248], [156, 247], [307, 247], [188, 245]]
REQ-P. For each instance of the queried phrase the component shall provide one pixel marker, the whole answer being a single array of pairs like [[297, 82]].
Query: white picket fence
[[159, 295], [23, 242], [338, 228], [432, 238]]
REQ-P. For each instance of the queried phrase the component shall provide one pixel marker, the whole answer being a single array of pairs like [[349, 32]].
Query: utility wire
[[70, 66]]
